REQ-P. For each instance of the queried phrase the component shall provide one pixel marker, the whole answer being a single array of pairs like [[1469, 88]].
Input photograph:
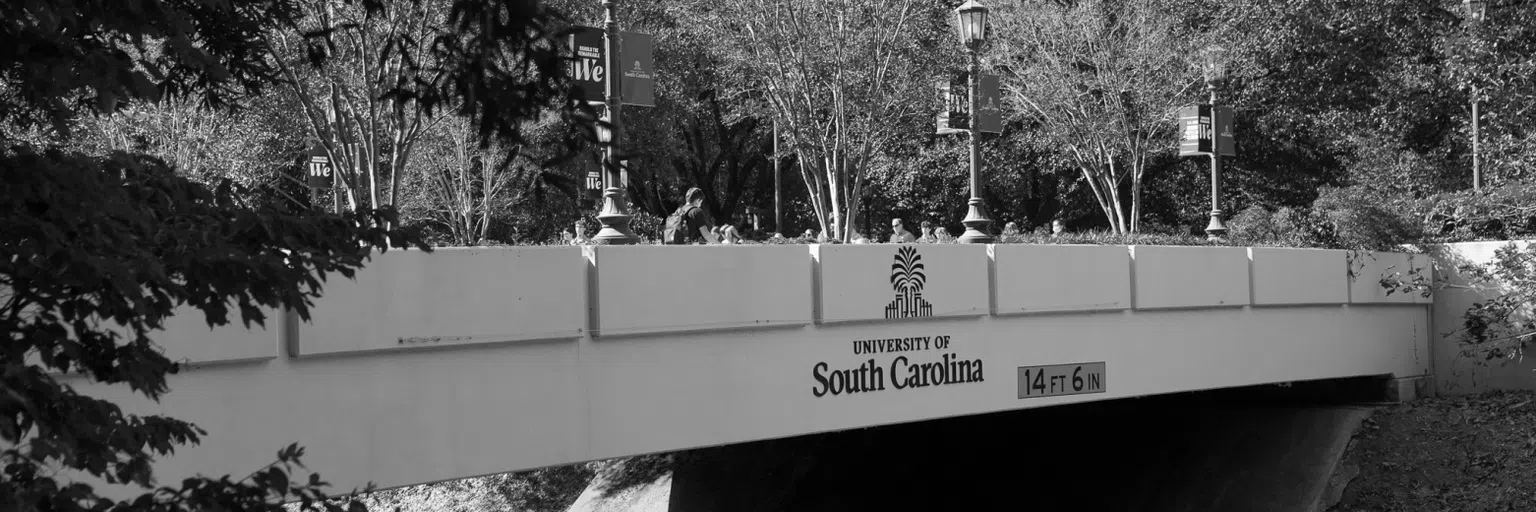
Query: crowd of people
[[691, 224]]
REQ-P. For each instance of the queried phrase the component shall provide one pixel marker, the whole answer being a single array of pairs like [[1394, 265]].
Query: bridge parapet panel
[[1368, 268], [645, 289], [452, 296], [1285, 276], [1185, 277], [1042, 278], [187, 337], [899, 281]]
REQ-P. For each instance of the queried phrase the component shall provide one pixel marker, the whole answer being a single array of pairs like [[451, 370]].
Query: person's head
[[581, 225], [1057, 226], [695, 196], [896, 225]]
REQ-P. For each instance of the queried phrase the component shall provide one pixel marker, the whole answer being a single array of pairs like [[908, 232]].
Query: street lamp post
[[1477, 10], [778, 202], [615, 210], [1215, 70], [972, 17]]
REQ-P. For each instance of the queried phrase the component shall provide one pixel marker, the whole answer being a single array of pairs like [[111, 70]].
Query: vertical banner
[[1195, 130], [594, 183], [639, 84], [1224, 141], [941, 88], [989, 111], [954, 117], [321, 173], [588, 65]]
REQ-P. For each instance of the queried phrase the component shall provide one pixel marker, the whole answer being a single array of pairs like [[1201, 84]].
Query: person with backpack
[[690, 223]]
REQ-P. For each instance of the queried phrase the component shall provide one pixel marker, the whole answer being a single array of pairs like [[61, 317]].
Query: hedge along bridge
[[467, 362]]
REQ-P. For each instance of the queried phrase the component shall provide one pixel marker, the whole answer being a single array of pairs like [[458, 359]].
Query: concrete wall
[[1460, 368], [558, 355]]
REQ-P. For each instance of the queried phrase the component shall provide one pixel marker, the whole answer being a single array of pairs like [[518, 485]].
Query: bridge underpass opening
[[1258, 449]]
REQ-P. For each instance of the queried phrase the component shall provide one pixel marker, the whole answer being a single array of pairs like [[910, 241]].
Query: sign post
[[1207, 130]]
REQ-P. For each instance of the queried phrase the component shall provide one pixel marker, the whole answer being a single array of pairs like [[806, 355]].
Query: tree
[[715, 124], [349, 103], [839, 76], [1494, 61], [100, 250], [464, 187], [1103, 79], [213, 144], [1324, 89], [709, 124]]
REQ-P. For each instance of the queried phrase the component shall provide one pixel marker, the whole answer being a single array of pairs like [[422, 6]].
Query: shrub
[[1354, 218], [1284, 227], [1502, 213]]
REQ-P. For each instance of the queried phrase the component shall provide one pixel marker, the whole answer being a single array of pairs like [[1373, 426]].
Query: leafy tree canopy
[[99, 250]]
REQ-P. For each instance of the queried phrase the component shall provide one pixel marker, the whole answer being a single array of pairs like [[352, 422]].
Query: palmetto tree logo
[[907, 278]]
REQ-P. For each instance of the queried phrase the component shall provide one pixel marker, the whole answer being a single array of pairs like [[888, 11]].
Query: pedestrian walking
[[690, 224]]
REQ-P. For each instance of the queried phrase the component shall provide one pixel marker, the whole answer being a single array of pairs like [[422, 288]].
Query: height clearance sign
[[1199, 130], [588, 67]]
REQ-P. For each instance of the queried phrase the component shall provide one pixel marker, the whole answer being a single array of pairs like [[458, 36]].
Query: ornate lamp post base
[[615, 213], [976, 222], [1215, 230], [615, 221]]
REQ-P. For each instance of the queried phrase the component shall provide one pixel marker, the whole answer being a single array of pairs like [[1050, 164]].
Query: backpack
[[676, 230]]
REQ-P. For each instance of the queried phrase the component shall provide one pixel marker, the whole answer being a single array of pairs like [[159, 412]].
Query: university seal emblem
[[907, 278]]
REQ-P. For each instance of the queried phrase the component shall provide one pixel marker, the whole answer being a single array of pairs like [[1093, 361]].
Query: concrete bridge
[[467, 362]]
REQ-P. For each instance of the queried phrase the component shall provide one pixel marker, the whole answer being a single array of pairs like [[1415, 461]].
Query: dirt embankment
[[1462, 453]]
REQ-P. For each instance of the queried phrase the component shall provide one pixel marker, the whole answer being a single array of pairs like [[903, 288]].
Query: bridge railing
[[405, 300]]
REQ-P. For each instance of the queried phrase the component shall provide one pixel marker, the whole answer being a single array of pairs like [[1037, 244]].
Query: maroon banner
[[1195, 130], [989, 111], [589, 62], [639, 82]]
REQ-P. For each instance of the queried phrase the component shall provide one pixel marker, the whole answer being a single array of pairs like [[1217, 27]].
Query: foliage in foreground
[[101, 252], [1501, 325]]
